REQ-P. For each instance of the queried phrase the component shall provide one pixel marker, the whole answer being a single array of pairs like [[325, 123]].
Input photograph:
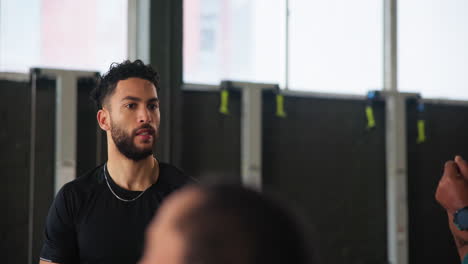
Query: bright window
[[233, 39], [433, 48], [336, 45], [67, 34]]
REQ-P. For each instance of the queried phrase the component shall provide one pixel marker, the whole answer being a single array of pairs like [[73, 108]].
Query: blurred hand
[[452, 192]]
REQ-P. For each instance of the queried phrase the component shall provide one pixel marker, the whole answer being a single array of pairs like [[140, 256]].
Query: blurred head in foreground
[[224, 224]]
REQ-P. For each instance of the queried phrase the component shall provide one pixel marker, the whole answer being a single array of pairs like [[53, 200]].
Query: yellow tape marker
[[280, 106], [370, 117], [421, 132], [223, 108]]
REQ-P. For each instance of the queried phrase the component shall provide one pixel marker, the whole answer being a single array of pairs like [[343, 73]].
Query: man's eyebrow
[[132, 98], [137, 99]]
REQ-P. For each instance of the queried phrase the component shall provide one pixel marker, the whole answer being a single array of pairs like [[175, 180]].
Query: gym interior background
[[347, 107]]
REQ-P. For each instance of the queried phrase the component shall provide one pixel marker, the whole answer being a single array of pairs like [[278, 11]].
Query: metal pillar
[[397, 197], [397, 200], [65, 122], [251, 132], [287, 53], [165, 52], [251, 135], [32, 161], [138, 29], [390, 45]]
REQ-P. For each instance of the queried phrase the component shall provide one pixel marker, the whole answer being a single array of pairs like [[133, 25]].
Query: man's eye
[[152, 106], [131, 106]]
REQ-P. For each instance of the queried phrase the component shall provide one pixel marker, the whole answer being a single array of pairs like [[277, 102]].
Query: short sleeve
[[60, 241]]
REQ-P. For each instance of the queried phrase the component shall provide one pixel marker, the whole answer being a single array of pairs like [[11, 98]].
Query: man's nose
[[144, 116]]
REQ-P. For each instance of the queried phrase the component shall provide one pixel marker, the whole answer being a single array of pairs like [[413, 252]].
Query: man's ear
[[103, 119]]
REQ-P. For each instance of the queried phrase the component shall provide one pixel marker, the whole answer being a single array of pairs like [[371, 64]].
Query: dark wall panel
[[324, 160], [447, 130], [45, 159], [322, 157], [88, 130], [211, 140], [15, 114], [14, 170]]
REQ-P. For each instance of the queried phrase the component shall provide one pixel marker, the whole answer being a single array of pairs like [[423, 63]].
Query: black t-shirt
[[88, 224]]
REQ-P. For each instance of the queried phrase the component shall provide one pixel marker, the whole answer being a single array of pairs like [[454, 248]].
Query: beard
[[125, 142]]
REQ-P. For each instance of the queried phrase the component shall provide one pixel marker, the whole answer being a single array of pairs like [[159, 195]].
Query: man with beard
[[101, 216]]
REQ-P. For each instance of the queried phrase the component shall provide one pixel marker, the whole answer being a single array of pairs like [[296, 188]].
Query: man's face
[[134, 117]]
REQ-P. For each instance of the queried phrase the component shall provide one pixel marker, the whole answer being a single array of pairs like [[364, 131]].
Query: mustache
[[151, 129]]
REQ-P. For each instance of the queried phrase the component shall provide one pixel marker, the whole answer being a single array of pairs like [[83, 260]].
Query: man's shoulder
[[174, 176], [75, 193], [85, 181]]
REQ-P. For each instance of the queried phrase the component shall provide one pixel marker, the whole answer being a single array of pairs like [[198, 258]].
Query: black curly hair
[[121, 71]]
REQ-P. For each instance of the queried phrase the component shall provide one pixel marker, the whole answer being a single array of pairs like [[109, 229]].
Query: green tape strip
[[370, 117], [224, 106], [280, 106], [421, 132]]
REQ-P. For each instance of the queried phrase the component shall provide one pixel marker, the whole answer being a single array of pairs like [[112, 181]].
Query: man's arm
[[452, 194], [60, 244]]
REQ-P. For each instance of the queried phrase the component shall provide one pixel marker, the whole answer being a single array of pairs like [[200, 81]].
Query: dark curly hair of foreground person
[[228, 224]]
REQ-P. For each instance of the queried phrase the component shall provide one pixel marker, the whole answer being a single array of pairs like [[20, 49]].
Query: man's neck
[[132, 175]]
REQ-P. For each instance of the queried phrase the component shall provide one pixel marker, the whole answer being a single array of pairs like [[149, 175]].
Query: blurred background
[[347, 107]]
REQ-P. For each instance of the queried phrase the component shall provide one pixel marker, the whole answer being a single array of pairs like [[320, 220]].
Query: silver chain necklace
[[116, 196]]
